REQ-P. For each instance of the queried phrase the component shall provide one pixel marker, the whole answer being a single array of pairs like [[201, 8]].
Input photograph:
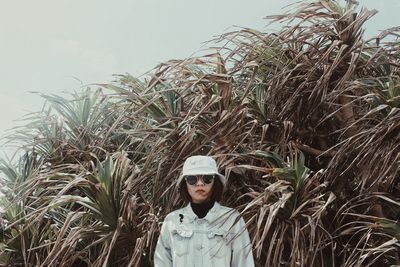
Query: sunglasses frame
[[210, 181]]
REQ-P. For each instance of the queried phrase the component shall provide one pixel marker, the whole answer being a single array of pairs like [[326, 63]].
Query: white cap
[[198, 165]]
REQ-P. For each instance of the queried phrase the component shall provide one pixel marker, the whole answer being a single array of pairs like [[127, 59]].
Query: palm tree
[[304, 122]]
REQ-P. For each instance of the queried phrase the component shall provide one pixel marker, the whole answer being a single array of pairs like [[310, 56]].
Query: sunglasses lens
[[191, 179], [208, 179]]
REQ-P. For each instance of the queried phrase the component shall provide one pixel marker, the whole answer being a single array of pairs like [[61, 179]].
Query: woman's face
[[200, 192]]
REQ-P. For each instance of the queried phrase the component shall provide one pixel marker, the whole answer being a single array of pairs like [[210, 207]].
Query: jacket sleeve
[[242, 254], [162, 255]]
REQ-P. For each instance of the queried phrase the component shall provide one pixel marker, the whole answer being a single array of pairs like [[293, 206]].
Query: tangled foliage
[[304, 122]]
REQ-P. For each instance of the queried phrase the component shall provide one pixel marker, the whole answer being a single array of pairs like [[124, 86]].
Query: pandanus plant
[[303, 121]]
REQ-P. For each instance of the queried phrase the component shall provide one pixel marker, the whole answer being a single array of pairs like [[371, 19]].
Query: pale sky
[[55, 45]]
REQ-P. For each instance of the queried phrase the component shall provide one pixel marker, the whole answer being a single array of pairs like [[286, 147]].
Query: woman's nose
[[199, 181]]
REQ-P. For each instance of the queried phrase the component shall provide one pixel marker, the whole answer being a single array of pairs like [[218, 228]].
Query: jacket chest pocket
[[219, 246], [181, 240]]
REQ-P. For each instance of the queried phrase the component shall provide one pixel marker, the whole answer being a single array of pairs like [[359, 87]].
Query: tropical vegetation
[[304, 121]]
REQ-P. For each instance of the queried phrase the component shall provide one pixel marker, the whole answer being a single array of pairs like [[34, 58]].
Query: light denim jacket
[[219, 239]]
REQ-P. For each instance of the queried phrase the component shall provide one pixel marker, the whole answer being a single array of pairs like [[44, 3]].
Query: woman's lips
[[200, 191]]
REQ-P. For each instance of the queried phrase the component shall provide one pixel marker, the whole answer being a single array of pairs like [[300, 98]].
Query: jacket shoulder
[[228, 210], [173, 214]]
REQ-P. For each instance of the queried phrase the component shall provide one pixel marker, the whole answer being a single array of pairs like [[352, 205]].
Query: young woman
[[204, 233]]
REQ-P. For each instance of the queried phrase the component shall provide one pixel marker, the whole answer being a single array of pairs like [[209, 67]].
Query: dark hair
[[216, 195]]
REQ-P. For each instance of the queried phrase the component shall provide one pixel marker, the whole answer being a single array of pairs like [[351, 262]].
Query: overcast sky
[[57, 45]]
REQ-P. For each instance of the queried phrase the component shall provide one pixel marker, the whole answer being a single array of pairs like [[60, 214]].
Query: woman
[[204, 233]]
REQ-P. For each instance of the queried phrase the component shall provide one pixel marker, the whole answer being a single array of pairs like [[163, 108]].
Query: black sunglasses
[[192, 179]]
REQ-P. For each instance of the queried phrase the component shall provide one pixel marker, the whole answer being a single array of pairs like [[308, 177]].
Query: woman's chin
[[200, 199]]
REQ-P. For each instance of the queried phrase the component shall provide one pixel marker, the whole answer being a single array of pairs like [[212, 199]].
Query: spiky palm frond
[[368, 240], [286, 219]]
